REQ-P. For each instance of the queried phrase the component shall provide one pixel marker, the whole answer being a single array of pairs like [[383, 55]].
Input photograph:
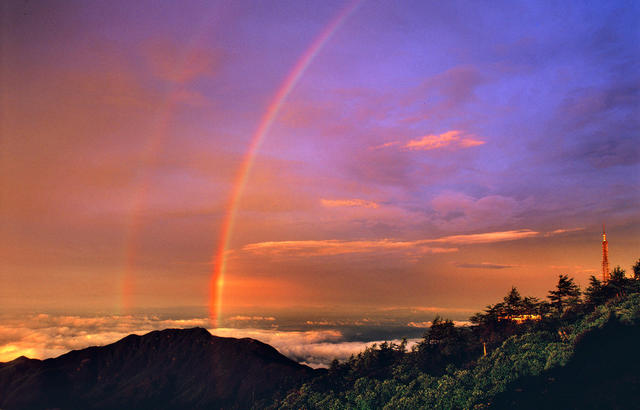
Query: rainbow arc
[[219, 259]]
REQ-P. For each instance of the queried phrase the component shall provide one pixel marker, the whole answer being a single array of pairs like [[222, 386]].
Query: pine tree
[[565, 296], [596, 293], [618, 282], [513, 303]]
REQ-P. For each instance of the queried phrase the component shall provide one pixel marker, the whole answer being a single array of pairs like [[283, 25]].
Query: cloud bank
[[339, 247], [332, 247], [43, 336]]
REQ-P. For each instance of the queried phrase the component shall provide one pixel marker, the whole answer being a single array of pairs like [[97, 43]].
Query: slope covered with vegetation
[[576, 350]]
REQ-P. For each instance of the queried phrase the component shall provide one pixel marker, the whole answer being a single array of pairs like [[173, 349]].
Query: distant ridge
[[173, 368]]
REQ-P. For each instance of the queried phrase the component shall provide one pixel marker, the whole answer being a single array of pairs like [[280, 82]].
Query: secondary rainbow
[[154, 145], [219, 257]]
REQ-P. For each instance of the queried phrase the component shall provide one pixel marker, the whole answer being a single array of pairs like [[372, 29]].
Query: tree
[[596, 293], [619, 284], [636, 270], [532, 305], [443, 344], [440, 330], [618, 274], [565, 296], [513, 303]]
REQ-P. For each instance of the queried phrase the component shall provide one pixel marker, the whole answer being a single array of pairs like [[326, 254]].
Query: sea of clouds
[[48, 335]]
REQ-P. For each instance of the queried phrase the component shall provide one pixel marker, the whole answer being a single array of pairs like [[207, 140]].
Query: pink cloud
[[386, 145], [563, 230], [488, 237], [483, 265], [338, 247], [331, 247], [452, 139], [334, 203]]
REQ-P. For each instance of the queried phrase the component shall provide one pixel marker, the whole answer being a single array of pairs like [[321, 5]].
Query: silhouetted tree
[[444, 344], [440, 330], [618, 274], [565, 296], [636, 270], [618, 282], [513, 302], [532, 305], [596, 293], [497, 323]]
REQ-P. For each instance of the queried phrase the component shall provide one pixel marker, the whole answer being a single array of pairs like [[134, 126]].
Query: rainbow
[[153, 146], [134, 222], [219, 256]]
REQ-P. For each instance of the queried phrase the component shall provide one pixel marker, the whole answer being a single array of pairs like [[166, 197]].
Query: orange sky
[[397, 172]]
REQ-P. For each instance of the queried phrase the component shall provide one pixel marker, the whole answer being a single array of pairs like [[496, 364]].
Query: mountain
[[602, 374], [173, 368], [583, 358]]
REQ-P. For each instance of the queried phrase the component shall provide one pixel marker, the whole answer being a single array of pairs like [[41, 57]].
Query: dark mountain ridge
[[173, 368]]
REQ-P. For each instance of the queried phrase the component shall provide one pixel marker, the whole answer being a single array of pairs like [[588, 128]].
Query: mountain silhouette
[[173, 368]]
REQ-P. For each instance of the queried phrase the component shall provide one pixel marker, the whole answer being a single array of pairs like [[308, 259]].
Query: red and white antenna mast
[[605, 257]]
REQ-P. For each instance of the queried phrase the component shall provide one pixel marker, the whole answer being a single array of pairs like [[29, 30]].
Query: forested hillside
[[575, 350]]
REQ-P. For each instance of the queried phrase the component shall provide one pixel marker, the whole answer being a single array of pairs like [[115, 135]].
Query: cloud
[[561, 231], [44, 336], [320, 323], [253, 318], [449, 89], [332, 247], [386, 145], [483, 265], [333, 203], [402, 310], [427, 324], [452, 139], [456, 210], [424, 324], [321, 354], [316, 348], [488, 237]]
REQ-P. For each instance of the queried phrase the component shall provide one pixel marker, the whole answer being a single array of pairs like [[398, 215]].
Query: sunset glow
[[309, 173]]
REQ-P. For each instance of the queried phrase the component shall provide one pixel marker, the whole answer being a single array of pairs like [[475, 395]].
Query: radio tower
[[605, 257]]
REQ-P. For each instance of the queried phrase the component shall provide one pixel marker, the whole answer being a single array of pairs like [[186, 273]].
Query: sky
[[313, 172]]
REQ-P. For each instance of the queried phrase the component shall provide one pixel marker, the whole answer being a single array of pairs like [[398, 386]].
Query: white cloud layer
[[43, 336]]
